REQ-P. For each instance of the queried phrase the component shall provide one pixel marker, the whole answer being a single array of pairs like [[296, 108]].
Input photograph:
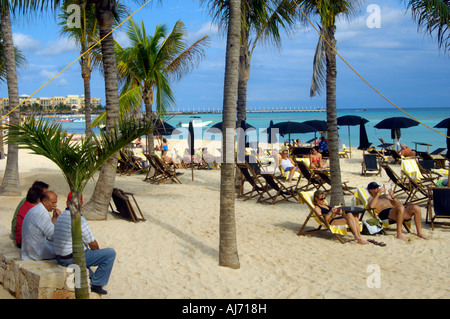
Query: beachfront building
[[76, 102]]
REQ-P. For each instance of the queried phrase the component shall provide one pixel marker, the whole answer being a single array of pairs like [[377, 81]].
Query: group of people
[[42, 232]]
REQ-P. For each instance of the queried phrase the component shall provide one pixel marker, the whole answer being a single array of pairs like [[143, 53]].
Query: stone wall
[[29, 279]]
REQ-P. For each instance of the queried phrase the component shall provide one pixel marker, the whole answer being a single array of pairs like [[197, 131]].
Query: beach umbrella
[[320, 125], [363, 139], [395, 124], [163, 128], [351, 120], [245, 127], [191, 143], [443, 123], [293, 128]]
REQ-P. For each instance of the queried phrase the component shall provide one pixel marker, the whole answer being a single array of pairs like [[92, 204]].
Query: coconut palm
[[149, 64], [11, 182], [325, 73], [78, 161], [228, 252], [87, 36], [20, 62], [434, 17]]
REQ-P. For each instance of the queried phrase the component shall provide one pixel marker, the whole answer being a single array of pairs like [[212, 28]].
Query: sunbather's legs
[[353, 224], [414, 210], [398, 214]]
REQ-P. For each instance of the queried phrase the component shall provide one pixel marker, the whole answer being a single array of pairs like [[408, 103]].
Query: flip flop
[[382, 244]]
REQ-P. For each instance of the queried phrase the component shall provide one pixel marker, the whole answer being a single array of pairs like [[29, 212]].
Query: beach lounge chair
[[168, 173], [306, 197], [282, 192], [370, 163], [415, 192], [157, 172], [312, 179], [439, 204], [249, 175], [285, 174], [327, 181], [124, 206], [411, 168], [344, 153]]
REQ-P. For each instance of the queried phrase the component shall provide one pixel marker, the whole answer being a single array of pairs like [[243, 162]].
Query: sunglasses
[[321, 198]]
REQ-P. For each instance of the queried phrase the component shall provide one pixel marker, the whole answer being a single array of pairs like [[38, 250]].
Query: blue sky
[[403, 64]]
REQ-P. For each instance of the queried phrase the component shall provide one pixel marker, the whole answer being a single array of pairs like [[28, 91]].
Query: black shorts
[[384, 214]]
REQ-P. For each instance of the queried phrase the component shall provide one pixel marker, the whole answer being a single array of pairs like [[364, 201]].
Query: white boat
[[79, 120], [197, 123]]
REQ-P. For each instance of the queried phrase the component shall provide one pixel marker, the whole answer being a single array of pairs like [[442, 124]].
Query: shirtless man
[[406, 151], [389, 207]]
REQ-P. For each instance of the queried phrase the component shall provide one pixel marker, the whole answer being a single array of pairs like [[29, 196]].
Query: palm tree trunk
[[86, 75], [149, 117], [11, 182], [337, 195], [228, 252], [2, 146], [97, 207]]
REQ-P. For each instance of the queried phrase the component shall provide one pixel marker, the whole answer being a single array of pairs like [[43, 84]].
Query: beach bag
[[371, 227]]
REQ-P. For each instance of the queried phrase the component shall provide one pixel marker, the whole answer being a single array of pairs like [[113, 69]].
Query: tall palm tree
[[434, 17], [151, 61], [87, 36], [11, 182], [325, 72], [228, 252], [20, 62], [78, 163]]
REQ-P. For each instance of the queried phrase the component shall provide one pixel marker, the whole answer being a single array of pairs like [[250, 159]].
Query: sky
[[387, 50]]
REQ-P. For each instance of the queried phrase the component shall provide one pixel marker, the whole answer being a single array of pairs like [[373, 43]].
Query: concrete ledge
[[29, 279]]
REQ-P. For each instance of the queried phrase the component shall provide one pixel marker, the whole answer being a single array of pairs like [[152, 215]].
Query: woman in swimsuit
[[315, 159], [335, 216], [288, 165]]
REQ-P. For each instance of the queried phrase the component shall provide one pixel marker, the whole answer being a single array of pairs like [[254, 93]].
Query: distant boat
[[197, 123], [79, 120], [65, 120]]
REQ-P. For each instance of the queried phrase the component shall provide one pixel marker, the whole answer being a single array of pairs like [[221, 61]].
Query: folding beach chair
[[312, 179], [327, 181], [249, 175], [306, 197], [415, 192], [370, 164], [124, 206], [285, 174], [167, 173], [158, 173], [275, 185], [440, 196], [410, 167]]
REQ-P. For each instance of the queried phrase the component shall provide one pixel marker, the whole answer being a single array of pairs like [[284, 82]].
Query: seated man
[[406, 151], [44, 187], [102, 258], [32, 199], [37, 229], [323, 145], [389, 207]]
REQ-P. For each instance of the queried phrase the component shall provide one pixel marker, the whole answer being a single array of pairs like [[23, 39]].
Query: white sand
[[174, 253]]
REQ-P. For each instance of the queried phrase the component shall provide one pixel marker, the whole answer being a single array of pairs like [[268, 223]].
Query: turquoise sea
[[428, 115]]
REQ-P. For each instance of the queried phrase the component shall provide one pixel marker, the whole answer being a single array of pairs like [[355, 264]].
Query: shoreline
[[174, 253]]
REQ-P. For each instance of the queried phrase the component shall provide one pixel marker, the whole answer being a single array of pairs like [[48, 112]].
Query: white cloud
[[60, 46], [26, 43]]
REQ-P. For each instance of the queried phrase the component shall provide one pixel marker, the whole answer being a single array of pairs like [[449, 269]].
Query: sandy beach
[[174, 253]]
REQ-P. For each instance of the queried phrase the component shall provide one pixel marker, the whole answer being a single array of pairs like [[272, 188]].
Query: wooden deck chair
[[411, 168], [439, 204], [249, 175], [306, 197], [168, 173], [427, 168], [124, 206], [415, 192], [285, 174], [158, 173], [312, 179], [122, 165], [282, 192], [362, 198], [344, 153], [327, 181], [370, 163]]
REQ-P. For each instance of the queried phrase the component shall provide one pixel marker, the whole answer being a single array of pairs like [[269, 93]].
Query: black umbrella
[[271, 138], [394, 123], [163, 128], [320, 125], [292, 128], [191, 143], [443, 123], [219, 126], [352, 120], [363, 140]]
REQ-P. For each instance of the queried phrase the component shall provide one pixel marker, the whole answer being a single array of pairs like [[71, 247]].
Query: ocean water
[[428, 115]]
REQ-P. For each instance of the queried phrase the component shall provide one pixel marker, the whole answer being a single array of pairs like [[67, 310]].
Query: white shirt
[[63, 233], [37, 235]]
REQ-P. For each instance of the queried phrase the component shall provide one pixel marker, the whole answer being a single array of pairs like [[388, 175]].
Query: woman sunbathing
[[315, 158], [335, 216]]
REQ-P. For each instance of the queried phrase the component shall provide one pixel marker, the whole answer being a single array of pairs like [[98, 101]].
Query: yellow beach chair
[[307, 198], [410, 168]]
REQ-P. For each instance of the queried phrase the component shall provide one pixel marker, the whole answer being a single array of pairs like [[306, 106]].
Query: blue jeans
[[102, 258]]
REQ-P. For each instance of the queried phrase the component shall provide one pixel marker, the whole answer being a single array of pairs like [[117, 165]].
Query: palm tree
[[147, 66], [87, 36], [11, 182], [20, 62], [78, 163], [228, 252], [325, 72], [434, 17]]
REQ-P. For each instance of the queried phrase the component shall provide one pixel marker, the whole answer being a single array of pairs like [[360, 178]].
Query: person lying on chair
[[406, 151], [389, 207], [335, 216], [102, 258]]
